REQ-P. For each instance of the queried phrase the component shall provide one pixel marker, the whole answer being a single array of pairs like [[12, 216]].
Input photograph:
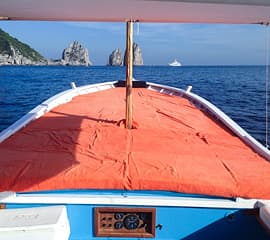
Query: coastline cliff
[[14, 52]]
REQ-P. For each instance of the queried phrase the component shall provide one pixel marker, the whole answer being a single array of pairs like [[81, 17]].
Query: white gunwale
[[218, 114], [125, 200], [54, 101]]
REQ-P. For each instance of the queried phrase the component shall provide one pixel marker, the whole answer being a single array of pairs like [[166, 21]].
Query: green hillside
[[6, 41]]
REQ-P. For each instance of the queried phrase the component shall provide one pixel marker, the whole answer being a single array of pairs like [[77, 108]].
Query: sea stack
[[76, 55], [137, 55], [115, 58]]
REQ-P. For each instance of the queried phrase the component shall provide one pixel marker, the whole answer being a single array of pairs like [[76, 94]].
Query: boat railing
[[46, 106], [217, 114]]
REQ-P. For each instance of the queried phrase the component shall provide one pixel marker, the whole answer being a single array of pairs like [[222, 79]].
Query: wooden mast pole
[[129, 73]]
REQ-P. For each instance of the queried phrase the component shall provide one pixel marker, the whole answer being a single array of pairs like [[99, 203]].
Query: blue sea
[[238, 90]]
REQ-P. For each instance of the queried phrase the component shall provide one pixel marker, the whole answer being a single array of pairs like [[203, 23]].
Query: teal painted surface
[[177, 222]]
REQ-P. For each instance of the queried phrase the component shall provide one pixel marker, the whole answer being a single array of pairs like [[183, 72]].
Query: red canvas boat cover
[[175, 147]]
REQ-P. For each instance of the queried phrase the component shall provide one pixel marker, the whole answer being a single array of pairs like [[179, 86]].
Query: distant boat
[[175, 63]]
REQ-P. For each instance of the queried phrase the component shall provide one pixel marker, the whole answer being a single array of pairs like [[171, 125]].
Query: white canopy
[[199, 11]]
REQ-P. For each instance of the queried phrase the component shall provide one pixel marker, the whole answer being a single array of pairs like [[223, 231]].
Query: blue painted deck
[[177, 222]]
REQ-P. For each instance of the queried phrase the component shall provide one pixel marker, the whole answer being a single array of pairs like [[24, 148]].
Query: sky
[[161, 43]]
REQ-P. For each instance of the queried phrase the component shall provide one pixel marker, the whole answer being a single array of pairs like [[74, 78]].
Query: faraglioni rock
[[115, 58], [75, 55], [137, 55], [14, 52]]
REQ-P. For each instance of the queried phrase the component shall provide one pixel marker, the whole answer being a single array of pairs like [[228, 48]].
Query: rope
[[266, 81], [138, 27]]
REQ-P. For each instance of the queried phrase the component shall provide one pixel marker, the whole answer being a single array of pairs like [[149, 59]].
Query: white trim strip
[[46, 106], [125, 199]]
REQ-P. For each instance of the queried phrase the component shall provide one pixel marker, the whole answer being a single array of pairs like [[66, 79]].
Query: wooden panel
[[125, 222], [2, 206]]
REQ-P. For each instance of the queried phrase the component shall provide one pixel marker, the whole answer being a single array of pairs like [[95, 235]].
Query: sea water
[[237, 90]]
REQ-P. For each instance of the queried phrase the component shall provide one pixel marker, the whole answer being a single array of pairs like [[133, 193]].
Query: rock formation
[[115, 59], [137, 55], [14, 52], [76, 55]]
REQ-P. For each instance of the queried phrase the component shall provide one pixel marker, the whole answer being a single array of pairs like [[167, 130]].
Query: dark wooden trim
[[135, 84]]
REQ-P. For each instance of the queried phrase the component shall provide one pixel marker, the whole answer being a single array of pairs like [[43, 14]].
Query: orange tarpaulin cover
[[175, 147]]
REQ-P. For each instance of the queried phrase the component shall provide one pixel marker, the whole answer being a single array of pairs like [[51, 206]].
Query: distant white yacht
[[175, 63]]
